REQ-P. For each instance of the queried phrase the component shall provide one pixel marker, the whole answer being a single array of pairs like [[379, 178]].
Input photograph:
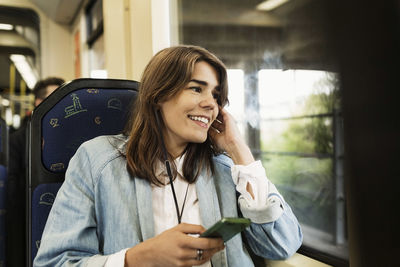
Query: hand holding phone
[[226, 228]]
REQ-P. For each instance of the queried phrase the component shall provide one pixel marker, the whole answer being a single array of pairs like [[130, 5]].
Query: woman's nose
[[209, 101]]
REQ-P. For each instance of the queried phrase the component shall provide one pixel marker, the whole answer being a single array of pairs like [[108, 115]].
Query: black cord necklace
[[168, 167], [178, 213]]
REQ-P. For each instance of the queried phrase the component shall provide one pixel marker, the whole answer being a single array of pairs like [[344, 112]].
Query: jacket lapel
[[208, 200], [210, 212], [145, 208]]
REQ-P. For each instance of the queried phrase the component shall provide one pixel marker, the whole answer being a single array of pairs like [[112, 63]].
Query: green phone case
[[227, 228]]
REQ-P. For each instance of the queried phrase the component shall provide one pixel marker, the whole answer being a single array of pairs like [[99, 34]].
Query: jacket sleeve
[[275, 232], [277, 240], [70, 235]]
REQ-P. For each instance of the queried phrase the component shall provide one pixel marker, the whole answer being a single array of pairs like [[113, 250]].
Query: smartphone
[[227, 228]]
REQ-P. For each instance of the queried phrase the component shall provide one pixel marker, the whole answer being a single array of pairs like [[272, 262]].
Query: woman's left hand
[[226, 136]]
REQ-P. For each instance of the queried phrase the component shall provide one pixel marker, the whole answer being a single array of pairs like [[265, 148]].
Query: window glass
[[285, 95], [95, 39], [236, 97], [96, 57], [95, 16], [94, 21]]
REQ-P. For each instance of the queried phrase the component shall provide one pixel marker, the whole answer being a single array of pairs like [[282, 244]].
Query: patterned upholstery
[[42, 200], [74, 113], [80, 116]]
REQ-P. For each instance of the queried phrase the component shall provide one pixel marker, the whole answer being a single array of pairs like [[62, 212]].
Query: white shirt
[[164, 211]]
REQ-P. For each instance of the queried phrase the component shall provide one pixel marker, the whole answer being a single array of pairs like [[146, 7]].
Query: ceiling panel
[[61, 11]]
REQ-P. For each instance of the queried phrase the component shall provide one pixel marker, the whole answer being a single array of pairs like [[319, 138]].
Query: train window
[[95, 39], [94, 20], [236, 99], [284, 92]]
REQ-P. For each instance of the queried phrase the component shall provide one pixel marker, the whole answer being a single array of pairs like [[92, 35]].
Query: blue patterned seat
[[74, 113]]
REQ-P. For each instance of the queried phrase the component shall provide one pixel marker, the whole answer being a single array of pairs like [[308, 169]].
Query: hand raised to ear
[[226, 136]]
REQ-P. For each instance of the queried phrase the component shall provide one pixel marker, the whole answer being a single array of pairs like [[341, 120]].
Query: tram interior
[[297, 42]]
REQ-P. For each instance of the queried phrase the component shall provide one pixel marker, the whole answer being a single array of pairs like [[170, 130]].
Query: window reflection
[[236, 97], [283, 73]]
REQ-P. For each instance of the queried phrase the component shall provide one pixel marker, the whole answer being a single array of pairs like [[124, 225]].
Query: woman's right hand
[[174, 247]]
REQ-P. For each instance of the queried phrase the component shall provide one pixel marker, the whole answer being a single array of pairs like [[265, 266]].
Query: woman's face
[[189, 114]]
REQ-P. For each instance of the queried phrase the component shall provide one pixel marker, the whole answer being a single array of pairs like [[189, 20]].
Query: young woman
[[118, 207]]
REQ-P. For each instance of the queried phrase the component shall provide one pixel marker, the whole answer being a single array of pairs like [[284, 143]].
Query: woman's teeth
[[202, 119]]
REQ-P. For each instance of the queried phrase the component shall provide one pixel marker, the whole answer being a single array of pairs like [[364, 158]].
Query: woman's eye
[[196, 89]]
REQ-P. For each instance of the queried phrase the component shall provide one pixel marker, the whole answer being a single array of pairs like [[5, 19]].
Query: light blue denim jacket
[[100, 210]]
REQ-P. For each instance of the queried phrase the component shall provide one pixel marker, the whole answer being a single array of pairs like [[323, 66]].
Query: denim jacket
[[100, 209]]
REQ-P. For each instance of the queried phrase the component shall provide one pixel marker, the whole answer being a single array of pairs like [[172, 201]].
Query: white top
[[164, 211]]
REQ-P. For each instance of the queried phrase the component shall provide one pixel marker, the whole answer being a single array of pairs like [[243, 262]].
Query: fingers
[[218, 126], [223, 119], [191, 250], [223, 115], [188, 228], [208, 243], [175, 247], [191, 242], [199, 256]]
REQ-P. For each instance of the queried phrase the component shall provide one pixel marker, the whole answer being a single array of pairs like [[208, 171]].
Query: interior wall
[[56, 50], [79, 27], [54, 40], [117, 39], [141, 36], [129, 35]]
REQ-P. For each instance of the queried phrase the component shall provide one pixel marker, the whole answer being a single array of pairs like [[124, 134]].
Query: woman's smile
[[200, 120]]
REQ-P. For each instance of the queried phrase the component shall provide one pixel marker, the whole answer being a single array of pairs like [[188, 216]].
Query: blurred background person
[[16, 195]]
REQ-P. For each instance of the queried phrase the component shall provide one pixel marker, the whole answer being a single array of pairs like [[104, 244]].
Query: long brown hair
[[167, 73]]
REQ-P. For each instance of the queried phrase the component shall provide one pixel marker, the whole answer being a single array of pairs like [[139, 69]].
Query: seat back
[[3, 180], [76, 112]]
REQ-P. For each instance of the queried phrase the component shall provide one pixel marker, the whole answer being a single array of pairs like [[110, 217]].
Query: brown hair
[[167, 73]]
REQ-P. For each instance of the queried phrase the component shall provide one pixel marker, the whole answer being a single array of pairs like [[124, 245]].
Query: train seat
[[76, 112]]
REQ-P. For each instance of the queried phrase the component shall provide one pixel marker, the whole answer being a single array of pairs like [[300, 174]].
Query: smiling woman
[[191, 112], [122, 198], [169, 74]]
